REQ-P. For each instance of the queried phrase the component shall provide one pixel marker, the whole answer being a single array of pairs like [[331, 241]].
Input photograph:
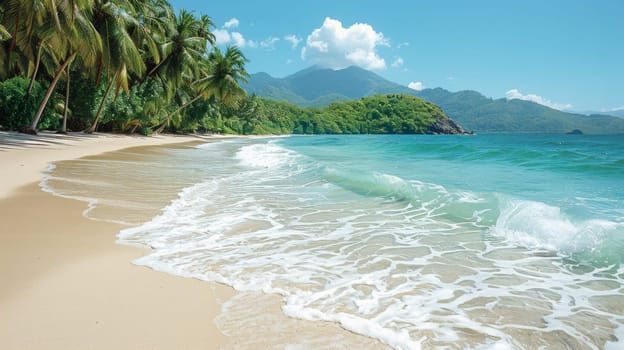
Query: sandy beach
[[66, 284]]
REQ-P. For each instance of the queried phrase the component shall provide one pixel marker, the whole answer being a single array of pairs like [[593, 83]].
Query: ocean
[[418, 241]]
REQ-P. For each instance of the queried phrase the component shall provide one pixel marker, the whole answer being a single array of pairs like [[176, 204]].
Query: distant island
[[317, 86]]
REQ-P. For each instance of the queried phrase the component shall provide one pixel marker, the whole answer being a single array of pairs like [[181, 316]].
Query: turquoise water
[[458, 242], [572, 188]]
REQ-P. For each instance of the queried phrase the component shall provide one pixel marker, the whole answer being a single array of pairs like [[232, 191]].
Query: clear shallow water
[[487, 241]]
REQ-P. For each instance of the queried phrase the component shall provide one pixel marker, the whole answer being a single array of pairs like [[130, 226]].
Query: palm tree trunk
[[92, 128], [164, 123], [186, 105], [156, 68], [43, 104], [34, 76], [66, 107], [13, 41]]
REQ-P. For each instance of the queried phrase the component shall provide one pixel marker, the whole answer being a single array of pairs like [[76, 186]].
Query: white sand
[[66, 284]]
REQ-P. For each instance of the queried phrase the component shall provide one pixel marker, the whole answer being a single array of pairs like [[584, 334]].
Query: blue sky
[[565, 54]]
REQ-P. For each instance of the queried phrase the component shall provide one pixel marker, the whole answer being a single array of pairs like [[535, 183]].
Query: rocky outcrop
[[446, 126]]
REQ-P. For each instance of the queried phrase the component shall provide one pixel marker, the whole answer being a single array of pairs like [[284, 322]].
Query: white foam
[[264, 155], [540, 226]]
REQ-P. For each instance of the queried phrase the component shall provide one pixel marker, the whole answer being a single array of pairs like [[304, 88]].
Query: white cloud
[[515, 94], [397, 63], [222, 36], [232, 23], [226, 37], [293, 40], [416, 85], [269, 43], [335, 46], [238, 39], [401, 45]]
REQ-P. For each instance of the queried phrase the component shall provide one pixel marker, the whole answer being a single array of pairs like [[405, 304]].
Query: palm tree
[[220, 79], [152, 23], [205, 23], [42, 45], [225, 73], [120, 55], [66, 104], [76, 37], [182, 51]]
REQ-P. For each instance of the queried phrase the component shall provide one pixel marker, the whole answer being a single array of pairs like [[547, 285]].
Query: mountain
[[317, 86], [616, 113], [481, 114]]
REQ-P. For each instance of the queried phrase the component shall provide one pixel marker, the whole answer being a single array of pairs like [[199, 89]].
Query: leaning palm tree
[[220, 79], [24, 19], [120, 54], [182, 52], [76, 37], [42, 46], [225, 73], [152, 23]]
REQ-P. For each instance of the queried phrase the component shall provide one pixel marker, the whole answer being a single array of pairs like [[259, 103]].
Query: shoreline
[[25, 157], [67, 284]]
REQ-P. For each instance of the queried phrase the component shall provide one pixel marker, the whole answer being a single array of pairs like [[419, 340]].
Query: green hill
[[379, 114], [316, 86]]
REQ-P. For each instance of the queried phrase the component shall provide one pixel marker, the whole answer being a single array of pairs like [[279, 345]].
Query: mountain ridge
[[318, 86]]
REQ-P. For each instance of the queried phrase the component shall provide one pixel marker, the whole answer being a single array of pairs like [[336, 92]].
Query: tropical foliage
[[113, 65], [380, 114]]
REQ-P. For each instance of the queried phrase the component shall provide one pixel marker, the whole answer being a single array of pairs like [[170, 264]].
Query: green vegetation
[[113, 65], [319, 87], [381, 114]]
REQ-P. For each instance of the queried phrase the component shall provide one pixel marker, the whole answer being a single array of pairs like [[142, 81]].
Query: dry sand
[[65, 284]]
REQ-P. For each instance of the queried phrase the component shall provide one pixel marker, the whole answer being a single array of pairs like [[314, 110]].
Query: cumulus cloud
[[224, 36], [397, 63], [238, 39], [335, 46], [416, 85], [293, 40], [515, 94], [232, 23]]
